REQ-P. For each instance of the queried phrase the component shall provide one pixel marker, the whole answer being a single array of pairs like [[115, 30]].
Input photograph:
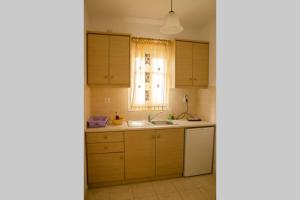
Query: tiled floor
[[191, 188]]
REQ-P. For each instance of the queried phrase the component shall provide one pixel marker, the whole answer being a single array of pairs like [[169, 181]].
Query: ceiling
[[192, 13]]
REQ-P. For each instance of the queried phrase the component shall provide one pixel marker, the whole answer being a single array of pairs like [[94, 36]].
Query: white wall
[[139, 29], [207, 97]]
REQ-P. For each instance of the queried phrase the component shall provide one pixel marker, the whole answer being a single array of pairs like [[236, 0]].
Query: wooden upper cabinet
[[200, 64], [139, 154], [108, 59], [184, 63], [97, 58], [169, 152], [119, 57], [191, 64]]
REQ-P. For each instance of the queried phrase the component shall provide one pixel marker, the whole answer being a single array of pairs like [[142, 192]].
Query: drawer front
[[105, 167], [104, 137], [105, 147]]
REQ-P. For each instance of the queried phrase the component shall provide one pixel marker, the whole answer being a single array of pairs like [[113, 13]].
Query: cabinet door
[[105, 167], [169, 152], [97, 59], [119, 60], [200, 64], [139, 154], [183, 63]]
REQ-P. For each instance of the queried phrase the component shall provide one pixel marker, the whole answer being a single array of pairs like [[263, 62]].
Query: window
[[150, 74]]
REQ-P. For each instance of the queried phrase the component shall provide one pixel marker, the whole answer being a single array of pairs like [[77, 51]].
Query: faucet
[[150, 118]]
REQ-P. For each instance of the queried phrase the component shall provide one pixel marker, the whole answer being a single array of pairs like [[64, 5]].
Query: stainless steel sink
[[138, 124], [162, 123]]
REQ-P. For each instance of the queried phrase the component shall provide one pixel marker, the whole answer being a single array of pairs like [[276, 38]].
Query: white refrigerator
[[199, 150]]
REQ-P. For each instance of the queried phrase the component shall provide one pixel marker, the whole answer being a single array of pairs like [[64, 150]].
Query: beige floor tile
[[164, 186], [98, 194], [194, 194], [123, 192], [192, 188], [170, 196], [143, 190], [203, 181], [147, 198], [120, 189], [209, 191], [182, 184], [122, 196]]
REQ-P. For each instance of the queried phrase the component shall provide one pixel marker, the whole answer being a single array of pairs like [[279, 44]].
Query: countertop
[[177, 124]]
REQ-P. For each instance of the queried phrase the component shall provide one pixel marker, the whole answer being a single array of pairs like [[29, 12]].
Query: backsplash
[[207, 104], [107, 101]]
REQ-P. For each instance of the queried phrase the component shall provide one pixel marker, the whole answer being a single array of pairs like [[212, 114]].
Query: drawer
[[111, 147], [104, 137]]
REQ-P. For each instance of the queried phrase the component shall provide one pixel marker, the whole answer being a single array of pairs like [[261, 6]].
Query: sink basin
[[138, 123], [162, 123]]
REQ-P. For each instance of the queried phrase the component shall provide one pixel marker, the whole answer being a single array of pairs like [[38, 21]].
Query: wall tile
[[99, 104]]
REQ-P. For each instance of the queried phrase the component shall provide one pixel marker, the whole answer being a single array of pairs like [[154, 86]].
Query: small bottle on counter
[[117, 117]]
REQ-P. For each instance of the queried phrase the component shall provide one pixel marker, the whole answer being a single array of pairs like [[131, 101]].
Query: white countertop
[[177, 124]]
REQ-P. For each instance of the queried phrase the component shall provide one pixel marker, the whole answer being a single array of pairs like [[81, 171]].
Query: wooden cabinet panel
[[108, 59], [169, 151], [106, 147], [133, 155], [191, 64], [200, 64], [104, 137], [119, 59], [139, 154], [105, 167], [184, 63], [97, 58]]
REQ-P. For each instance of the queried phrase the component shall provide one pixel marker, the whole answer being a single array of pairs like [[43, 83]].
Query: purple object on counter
[[97, 121]]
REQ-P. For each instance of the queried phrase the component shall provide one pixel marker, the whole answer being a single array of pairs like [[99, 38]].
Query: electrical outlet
[[107, 100], [185, 98]]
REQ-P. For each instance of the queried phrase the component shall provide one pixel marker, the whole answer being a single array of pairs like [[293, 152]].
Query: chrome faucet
[[150, 118]]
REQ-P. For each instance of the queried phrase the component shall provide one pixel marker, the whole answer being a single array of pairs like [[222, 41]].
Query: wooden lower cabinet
[[105, 167], [143, 155], [139, 154], [151, 153], [169, 152]]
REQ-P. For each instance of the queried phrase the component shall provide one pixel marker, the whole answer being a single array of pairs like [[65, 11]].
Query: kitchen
[[150, 100], [101, 100]]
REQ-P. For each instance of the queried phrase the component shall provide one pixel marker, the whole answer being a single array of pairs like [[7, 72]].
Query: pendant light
[[171, 24]]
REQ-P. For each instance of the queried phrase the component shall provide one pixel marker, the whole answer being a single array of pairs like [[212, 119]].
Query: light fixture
[[171, 24]]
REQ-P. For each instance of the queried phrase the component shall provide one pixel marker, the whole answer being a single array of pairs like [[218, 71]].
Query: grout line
[[156, 194], [181, 197], [131, 191]]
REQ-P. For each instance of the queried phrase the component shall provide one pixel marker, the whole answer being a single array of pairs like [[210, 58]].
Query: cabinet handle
[[191, 79], [121, 157], [112, 77], [105, 147], [153, 136], [106, 76], [105, 136]]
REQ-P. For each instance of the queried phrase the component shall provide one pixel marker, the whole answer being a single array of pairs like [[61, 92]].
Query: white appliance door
[[199, 145]]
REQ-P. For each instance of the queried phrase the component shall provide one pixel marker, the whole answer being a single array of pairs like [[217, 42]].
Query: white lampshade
[[171, 24]]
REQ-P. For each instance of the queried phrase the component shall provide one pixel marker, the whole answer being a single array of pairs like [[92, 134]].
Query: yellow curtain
[[150, 72]]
